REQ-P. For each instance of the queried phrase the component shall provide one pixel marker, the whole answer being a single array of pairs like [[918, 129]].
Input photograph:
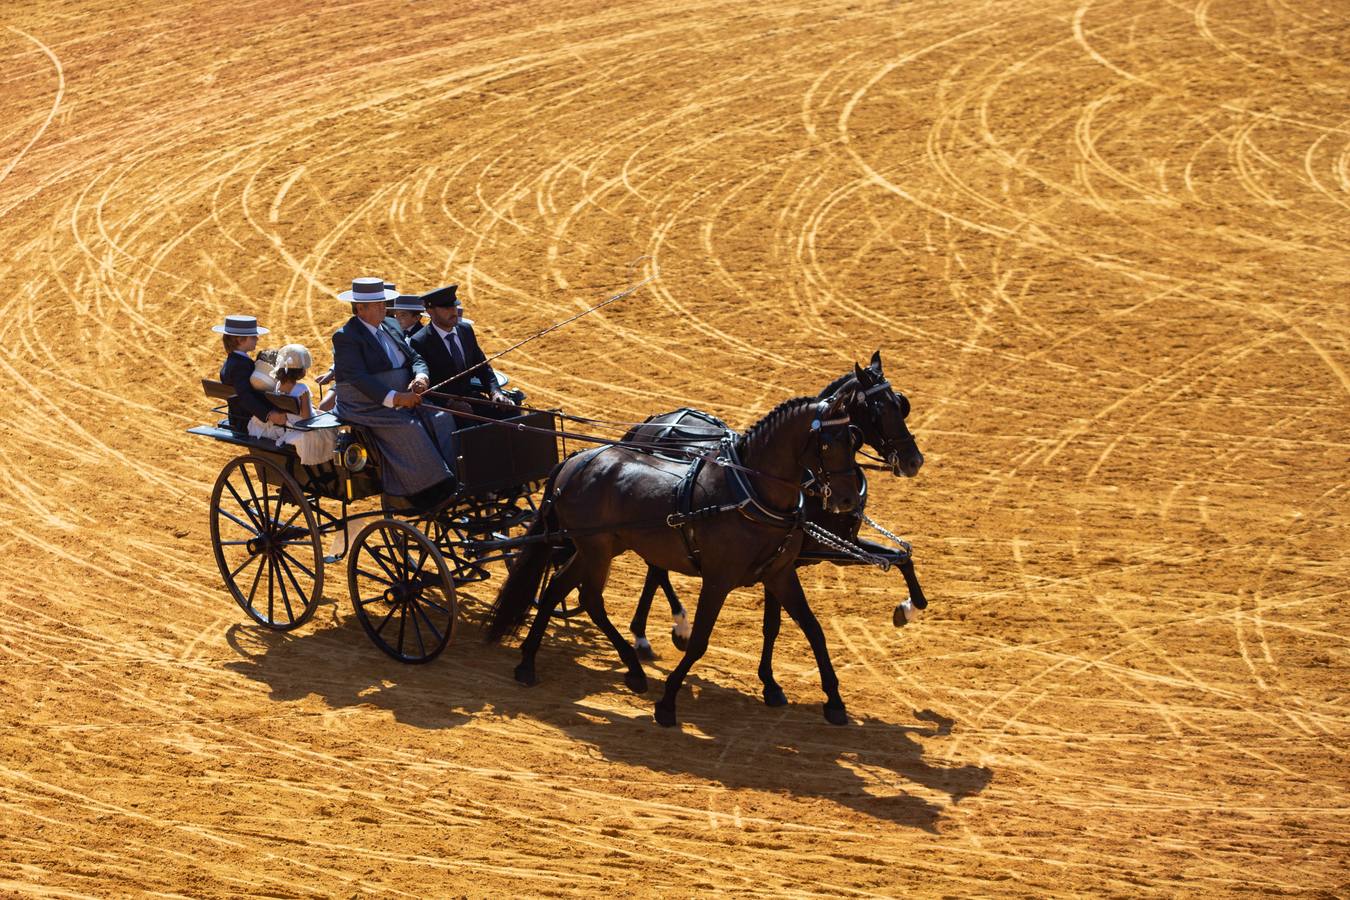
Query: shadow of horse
[[728, 737]]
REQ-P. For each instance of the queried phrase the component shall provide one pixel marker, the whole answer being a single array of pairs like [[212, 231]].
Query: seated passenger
[[240, 336], [407, 310], [380, 380], [314, 446], [449, 346]]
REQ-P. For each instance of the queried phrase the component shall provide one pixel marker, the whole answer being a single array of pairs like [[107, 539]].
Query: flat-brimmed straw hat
[[407, 303], [368, 290], [240, 326]]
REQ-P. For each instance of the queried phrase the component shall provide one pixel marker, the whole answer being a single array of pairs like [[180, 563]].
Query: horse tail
[[521, 586], [527, 572]]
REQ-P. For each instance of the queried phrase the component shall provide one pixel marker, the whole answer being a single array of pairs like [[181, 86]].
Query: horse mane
[[774, 417], [834, 386]]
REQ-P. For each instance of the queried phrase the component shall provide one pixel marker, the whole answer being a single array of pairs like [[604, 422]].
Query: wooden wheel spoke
[[430, 624], [299, 510], [402, 625], [297, 563], [273, 512], [393, 578], [253, 495], [256, 527], [268, 515], [385, 621], [256, 576], [295, 582], [373, 577], [422, 555], [271, 589], [417, 629], [407, 564], [281, 585], [240, 567], [438, 606]]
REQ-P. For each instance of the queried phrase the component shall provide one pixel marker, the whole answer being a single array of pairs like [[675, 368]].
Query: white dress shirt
[[452, 335]]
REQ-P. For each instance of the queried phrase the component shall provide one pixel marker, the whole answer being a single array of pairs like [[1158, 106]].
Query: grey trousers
[[418, 446]]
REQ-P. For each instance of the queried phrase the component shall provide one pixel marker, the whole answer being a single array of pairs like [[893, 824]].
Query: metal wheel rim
[[392, 589]]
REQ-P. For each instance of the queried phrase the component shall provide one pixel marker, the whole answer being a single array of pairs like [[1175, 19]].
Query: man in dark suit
[[380, 380], [450, 348]]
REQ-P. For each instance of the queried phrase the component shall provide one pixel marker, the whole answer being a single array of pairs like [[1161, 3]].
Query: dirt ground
[[1102, 246]]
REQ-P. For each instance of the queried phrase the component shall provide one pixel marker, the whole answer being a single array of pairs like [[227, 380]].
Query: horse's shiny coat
[[618, 499]]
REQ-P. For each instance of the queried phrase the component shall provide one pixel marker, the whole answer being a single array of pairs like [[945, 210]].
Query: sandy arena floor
[[1103, 247]]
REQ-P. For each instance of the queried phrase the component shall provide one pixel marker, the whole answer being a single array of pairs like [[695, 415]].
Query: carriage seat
[[216, 390]]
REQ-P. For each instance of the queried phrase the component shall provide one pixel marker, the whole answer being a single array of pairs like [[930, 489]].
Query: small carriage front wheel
[[267, 543], [402, 590]]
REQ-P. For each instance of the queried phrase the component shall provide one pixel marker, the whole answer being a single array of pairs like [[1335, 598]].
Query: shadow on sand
[[725, 736]]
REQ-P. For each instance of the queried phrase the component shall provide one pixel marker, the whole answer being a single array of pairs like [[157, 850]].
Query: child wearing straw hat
[[240, 335]]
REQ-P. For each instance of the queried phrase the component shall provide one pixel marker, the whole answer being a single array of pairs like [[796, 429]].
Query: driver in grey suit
[[380, 380]]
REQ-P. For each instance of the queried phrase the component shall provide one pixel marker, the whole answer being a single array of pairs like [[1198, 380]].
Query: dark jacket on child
[[247, 400]]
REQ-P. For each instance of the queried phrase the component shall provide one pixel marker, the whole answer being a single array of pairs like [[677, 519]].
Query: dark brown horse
[[734, 521], [877, 412]]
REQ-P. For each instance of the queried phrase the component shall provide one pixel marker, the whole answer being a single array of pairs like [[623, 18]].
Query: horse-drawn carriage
[[268, 522], [271, 515]]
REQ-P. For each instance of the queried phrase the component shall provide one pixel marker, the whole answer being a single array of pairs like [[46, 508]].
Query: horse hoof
[[636, 681], [526, 676], [905, 612], [836, 715], [665, 716], [681, 641], [645, 651], [774, 696]]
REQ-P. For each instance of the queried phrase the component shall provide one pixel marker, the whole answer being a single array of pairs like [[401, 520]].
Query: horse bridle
[[890, 445], [825, 432]]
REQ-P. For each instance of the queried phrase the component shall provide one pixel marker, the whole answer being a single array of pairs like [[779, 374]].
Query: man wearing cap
[[380, 380], [240, 335], [449, 346]]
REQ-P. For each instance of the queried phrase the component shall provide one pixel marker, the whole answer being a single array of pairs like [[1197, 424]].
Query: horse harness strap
[[685, 515], [746, 503]]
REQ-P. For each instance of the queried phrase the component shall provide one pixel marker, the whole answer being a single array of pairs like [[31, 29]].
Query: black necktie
[[455, 355]]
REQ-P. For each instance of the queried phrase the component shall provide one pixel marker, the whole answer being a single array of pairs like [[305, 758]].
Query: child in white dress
[[314, 446]]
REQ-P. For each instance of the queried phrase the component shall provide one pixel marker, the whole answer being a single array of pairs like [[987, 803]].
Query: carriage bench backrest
[[284, 402]]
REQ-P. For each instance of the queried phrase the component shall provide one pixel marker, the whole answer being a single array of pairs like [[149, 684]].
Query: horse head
[[879, 414]]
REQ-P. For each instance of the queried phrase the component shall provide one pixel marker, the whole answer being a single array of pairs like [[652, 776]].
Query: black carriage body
[[270, 512], [493, 457]]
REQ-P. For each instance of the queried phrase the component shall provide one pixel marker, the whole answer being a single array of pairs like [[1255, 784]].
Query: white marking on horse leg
[[682, 626], [905, 613]]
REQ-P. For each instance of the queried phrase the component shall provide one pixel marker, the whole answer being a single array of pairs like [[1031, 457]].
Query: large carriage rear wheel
[[402, 591], [267, 543]]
